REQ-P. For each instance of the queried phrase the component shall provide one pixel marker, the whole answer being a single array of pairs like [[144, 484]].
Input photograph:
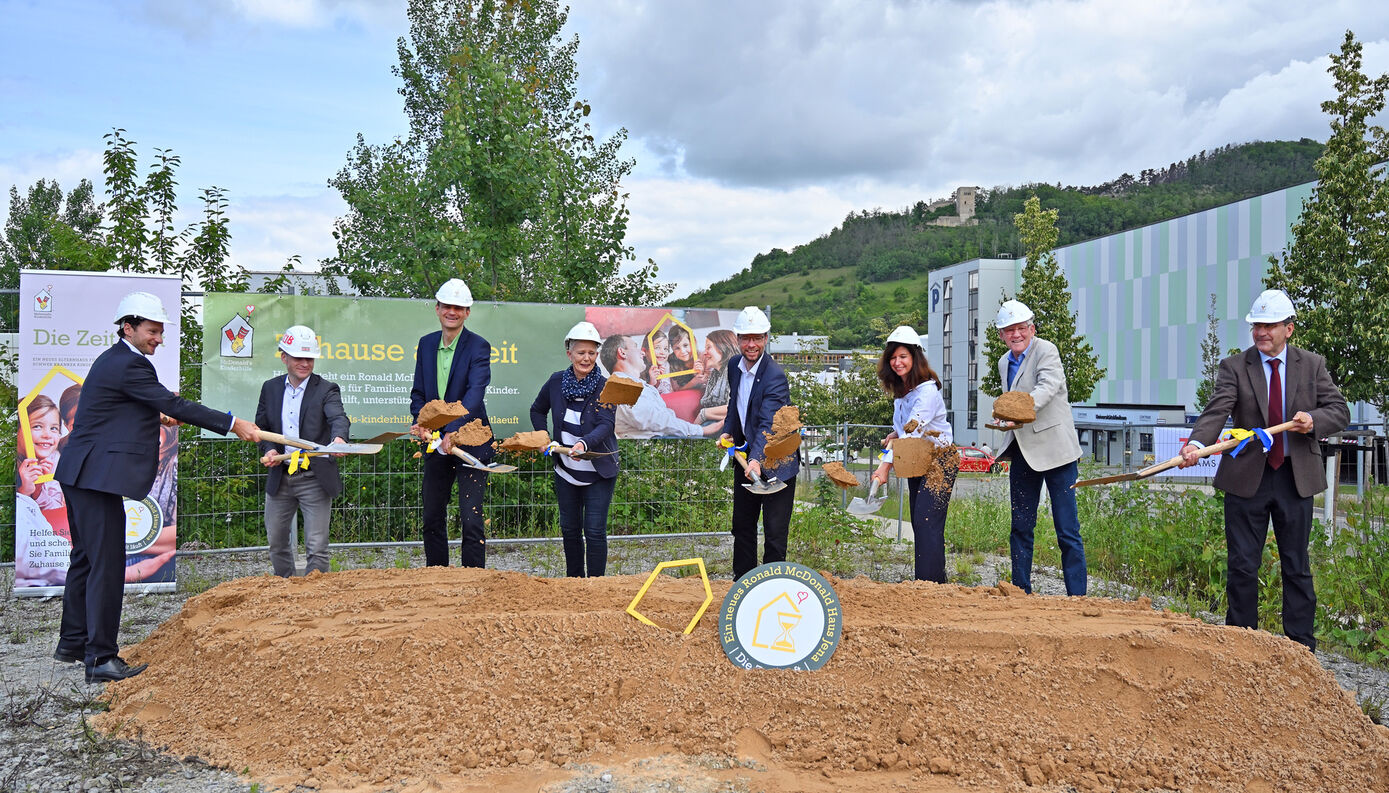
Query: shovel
[[1214, 448], [436, 423], [867, 506], [758, 485], [285, 440], [555, 448], [473, 462]]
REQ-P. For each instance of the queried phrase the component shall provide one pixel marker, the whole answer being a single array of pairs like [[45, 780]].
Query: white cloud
[[67, 168], [267, 230], [699, 231]]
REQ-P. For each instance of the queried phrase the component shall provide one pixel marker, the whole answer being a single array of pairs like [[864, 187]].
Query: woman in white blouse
[[905, 373]]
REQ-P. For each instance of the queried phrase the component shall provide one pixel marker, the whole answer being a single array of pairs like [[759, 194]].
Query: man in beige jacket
[[1045, 450]]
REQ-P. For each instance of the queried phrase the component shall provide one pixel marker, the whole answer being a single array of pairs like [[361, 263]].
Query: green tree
[[1337, 267], [1045, 290], [500, 180], [1210, 358], [43, 231]]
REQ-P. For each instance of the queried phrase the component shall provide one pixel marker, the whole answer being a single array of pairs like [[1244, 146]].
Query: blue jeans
[[583, 524], [1025, 492]]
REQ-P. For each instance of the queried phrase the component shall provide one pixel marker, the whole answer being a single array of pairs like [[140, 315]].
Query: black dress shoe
[[64, 657], [113, 669]]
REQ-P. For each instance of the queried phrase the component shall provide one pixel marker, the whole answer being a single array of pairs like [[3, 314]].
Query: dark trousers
[[1246, 530], [1024, 495], [776, 523], [441, 471], [96, 575], [583, 524], [928, 510]]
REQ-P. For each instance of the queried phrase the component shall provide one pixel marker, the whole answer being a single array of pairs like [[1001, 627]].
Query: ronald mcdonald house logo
[[780, 616]]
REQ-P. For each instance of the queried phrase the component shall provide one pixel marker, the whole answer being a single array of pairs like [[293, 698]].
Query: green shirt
[[444, 362]]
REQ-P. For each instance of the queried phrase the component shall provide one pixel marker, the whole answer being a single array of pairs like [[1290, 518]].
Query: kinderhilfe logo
[[43, 300], [780, 616], [237, 336]]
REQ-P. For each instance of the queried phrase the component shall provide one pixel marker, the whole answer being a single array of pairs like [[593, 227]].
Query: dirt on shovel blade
[[474, 433], [436, 413], [784, 438], [620, 391], [527, 441]]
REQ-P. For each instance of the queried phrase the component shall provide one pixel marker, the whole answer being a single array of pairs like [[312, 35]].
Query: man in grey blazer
[[300, 404], [1044, 451], [1270, 383]]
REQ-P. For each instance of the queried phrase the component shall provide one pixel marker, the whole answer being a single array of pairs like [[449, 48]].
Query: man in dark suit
[[453, 364], [301, 405], [111, 454], [1261, 387], [757, 388]]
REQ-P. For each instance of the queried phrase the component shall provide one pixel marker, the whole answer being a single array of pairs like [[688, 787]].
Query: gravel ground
[[44, 704]]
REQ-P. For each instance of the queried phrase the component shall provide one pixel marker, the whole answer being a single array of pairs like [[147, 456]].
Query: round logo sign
[[780, 616], [143, 520]]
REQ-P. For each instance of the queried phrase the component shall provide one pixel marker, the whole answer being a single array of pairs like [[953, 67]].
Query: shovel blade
[[863, 506], [385, 436], [766, 488], [1105, 480]]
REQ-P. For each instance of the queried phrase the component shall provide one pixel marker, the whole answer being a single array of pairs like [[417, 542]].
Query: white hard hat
[[584, 331], [904, 334], [141, 305], [299, 341], [455, 293], [1272, 305], [751, 320], [1011, 313]]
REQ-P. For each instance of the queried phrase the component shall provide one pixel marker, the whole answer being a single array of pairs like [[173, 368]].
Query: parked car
[[820, 454], [979, 461]]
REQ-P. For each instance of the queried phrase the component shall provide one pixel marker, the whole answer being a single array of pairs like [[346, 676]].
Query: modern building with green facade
[[1141, 298]]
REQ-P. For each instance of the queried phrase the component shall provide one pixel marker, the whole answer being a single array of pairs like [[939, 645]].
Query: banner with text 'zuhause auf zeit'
[[368, 348], [66, 320]]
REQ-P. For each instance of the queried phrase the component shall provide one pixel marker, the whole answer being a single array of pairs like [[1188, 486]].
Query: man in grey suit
[[1260, 387], [1045, 450], [300, 404]]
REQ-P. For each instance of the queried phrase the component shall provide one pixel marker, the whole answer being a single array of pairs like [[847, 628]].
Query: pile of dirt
[[436, 413], [474, 433], [1015, 406], [620, 391], [784, 438], [533, 441], [479, 679], [836, 472]]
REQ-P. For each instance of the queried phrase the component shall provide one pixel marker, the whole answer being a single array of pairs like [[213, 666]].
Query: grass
[[816, 282]]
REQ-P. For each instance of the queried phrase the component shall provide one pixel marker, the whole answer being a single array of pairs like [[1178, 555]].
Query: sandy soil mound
[[478, 679]]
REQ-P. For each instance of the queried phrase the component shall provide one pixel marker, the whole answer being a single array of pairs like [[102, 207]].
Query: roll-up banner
[[680, 355], [67, 319]]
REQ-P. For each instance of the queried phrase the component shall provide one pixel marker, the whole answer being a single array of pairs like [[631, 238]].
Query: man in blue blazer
[[455, 365], [113, 453], [757, 388], [303, 405]]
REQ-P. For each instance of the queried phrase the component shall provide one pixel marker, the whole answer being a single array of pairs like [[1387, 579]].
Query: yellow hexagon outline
[[651, 344], [29, 397], [703, 576]]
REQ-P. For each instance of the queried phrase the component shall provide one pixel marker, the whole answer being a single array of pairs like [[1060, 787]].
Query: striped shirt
[[575, 471]]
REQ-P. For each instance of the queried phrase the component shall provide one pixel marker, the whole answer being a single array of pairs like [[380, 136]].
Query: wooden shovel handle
[[275, 437], [1214, 448]]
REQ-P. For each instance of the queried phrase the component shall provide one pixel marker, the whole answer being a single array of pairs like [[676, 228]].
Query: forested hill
[[875, 263]]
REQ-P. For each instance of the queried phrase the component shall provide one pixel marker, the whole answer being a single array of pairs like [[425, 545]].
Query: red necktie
[[1275, 412]]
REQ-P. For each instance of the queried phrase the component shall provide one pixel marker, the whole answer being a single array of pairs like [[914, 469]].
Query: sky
[[754, 125]]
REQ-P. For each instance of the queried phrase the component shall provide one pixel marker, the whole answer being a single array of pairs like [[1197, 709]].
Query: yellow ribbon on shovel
[[299, 460]]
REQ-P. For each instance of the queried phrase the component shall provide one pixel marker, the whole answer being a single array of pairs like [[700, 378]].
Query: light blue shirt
[[1015, 363], [289, 411], [745, 386]]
